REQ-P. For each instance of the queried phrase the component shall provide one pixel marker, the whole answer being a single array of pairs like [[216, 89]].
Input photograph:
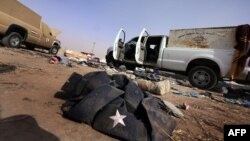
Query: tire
[[110, 61], [130, 67], [202, 77], [14, 40], [54, 49]]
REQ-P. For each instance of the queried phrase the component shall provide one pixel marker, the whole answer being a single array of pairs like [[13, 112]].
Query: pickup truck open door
[[118, 48], [141, 47]]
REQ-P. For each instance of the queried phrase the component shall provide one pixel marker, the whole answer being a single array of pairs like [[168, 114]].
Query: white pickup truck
[[205, 55]]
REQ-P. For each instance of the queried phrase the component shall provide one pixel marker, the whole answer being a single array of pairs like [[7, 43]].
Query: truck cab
[[133, 53]]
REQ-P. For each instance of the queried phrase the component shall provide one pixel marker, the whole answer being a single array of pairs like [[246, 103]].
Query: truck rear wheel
[[14, 40], [54, 49], [202, 77]]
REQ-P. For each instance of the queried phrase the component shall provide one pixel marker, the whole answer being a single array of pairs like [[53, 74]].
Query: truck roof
[[152, 36], [225, 27], [13, 8]]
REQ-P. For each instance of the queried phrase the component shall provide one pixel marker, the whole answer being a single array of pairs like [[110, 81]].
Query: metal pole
[[93, 48]]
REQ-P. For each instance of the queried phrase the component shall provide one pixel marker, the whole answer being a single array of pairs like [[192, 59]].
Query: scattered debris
[[192, 94], [90, 64], [247, 103], [238, 102], [112, 71], [183, 83], [174, 110], [62, 59], [54, 60], [148, 81], [207, 93], [224, 90], [237, 93], [236, 96], [184, 106], [76, 56], [148, 76], [179, 92]]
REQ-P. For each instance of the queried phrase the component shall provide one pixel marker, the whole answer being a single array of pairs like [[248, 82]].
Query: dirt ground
[[31, 87]]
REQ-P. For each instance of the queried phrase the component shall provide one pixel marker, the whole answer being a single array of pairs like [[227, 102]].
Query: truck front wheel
[[14, 39], [111, 62], [54, 49], [202, 77]]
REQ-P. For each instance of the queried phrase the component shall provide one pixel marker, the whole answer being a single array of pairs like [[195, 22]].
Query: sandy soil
[[30, 89]]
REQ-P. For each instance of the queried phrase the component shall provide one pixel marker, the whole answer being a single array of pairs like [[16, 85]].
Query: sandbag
[[158, 88]]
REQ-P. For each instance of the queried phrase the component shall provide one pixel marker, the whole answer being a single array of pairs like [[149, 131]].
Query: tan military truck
[[20, 25]]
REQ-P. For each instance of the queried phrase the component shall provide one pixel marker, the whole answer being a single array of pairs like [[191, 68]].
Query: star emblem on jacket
[[118, 118]]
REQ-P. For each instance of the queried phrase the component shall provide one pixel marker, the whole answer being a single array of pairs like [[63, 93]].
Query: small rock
[[122, 68], [27, 99], [129, 72], [224, 90]]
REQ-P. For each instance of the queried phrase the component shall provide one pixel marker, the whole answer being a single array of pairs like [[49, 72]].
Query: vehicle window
[[134, 39], [46, 30], [166, 45], [152, 46]]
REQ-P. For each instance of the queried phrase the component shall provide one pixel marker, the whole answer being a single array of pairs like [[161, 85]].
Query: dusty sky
[[84, 22]]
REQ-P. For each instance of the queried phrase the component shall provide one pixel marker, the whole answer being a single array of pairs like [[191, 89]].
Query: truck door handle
[[34, 32]]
